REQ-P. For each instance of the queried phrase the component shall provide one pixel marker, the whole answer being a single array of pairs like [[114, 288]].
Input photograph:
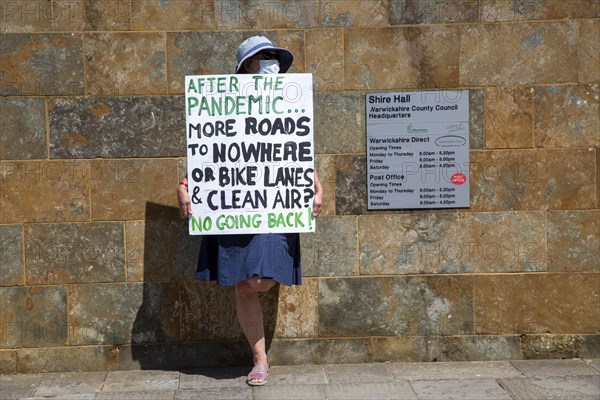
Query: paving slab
[[568, 387], [594, 363], [467, 389], [213, 377], [71, 383], [215, 393], [85, 396], [369, 391], [356, 373], [573, 367], [297, 375], [453, 370], [289, 392], [120, 381], [137, 395], [521, 389], [13, 387]]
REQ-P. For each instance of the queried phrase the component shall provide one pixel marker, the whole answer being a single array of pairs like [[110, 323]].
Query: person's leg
[[250, 316]]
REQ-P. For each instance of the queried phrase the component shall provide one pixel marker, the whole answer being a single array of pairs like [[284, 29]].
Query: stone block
[[92, 15], [33, 316], [120, 64], [8, 364], [573, 241], [357, 13], [339, 123], [160, 251], [532, 179], [503, 10], [350, 185], [116, 127], [452, 243], [473, 348], [297, 310], [331, 250], [182, 167], [588, 50], [406, 349], [590, 348], [394, 306], [509, 117], [504, 242], [11, 255], [325, 59], [256, 14], [404, 58], [23, 127], [420, 243], [535, 303], [476, 118], [549, 346], [567, 116], [26, 16], [317, 351], [325, 165], [42, 65], [208, 313], [74, 253], [173, 15], [187, 53], [71, 359], [123, 313], [516, 54], [154, 180], [471, 389], [62, 185], [411, 12]]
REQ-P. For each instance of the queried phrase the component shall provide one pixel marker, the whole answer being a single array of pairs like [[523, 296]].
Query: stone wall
[[96, 265]]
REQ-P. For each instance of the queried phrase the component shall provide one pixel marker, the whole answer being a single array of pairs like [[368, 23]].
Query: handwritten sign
[[250, 153]]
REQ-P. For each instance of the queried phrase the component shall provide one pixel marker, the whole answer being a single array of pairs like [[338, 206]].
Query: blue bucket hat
[[255, 44]]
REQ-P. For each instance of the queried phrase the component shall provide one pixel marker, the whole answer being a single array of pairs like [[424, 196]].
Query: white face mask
[[269, 67]]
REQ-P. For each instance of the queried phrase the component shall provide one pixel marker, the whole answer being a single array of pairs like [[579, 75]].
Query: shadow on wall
[[183, 323]]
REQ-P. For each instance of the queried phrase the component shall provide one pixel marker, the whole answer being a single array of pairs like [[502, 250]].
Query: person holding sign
[[253, 263]]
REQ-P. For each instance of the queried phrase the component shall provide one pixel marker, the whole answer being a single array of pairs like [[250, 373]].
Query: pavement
[[478, 380]]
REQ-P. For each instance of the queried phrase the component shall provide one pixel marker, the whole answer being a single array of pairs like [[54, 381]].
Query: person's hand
[[318, 198], [183, 198]]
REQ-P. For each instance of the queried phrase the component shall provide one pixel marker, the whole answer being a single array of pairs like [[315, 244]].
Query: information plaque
[[418, 149]]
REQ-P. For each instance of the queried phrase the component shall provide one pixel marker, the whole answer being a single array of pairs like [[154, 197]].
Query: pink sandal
[[258, 375]]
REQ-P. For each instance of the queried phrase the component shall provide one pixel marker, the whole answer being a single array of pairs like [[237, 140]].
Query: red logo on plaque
[[458, 179]]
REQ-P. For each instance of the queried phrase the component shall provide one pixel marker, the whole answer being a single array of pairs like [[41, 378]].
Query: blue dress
[[231, 259]]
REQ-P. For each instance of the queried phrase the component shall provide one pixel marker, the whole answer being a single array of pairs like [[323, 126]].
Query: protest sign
[[250, 153]]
